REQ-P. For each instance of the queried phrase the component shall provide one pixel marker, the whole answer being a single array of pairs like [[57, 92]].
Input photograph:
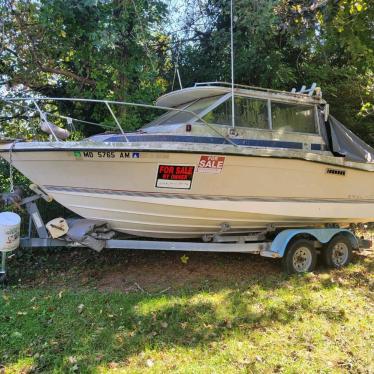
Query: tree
[[86, 48], [287, 43]]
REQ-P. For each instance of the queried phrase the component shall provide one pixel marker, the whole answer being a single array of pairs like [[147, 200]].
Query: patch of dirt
[[158, 271], [129, 271]]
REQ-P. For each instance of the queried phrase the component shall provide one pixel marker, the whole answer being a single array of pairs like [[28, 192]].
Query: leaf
[[184, 259], [358, 6]]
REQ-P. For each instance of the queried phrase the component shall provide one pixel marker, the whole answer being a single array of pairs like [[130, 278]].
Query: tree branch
[[34, 52], [84, 80]]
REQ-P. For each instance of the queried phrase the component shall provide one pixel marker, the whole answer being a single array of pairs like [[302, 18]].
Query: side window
[[195, 107], [252, 113], [221, 115], [293, 118], [249, 112]]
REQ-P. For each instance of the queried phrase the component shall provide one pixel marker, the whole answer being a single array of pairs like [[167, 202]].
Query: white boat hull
[[246, 192]]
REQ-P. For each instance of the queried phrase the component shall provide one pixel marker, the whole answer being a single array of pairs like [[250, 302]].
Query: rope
[[43, 119], [70, 124], [176, 71]]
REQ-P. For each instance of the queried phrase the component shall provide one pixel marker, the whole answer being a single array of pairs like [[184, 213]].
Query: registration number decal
[[175, 176], [92, 155]]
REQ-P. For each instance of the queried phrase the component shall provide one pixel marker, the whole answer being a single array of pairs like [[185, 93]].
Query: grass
[[59, 318]]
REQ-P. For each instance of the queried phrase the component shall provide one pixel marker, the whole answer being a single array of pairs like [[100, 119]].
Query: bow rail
[[108, 103]]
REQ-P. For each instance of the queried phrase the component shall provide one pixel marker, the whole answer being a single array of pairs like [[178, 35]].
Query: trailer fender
[[280, 243]]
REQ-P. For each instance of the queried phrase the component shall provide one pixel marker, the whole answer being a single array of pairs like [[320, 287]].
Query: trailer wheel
[[338, 252], [300, 257]]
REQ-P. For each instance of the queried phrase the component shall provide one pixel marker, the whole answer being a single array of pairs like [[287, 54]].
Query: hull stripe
[[162, 195]]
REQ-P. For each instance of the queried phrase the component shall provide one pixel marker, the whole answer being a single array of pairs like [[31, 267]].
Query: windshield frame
[[270, 128], [195, 117]]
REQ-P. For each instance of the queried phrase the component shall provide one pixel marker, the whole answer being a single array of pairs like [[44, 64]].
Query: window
[[293, 118], [196, 106], [249, 112], [173, 117]]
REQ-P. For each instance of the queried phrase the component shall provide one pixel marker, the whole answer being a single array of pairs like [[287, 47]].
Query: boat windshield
[[195, 106], [250, 112], [265, 114]]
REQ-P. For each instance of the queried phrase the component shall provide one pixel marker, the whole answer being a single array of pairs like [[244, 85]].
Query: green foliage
[[283, 44], [93, 49], [260, 53], [119, 49]]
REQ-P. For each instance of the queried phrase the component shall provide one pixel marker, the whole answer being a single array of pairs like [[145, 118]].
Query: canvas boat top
[[267, 123]]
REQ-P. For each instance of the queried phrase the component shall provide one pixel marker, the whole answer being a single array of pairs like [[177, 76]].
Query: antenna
[[232, 64]]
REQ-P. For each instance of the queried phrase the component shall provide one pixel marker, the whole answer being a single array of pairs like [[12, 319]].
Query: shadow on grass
[[70, 318], [99, 328]]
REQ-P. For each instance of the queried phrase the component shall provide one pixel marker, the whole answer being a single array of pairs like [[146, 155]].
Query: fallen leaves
[[72, 360], [113, 365]]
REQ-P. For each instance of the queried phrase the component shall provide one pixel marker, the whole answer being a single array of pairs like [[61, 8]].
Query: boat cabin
[[263, 118]]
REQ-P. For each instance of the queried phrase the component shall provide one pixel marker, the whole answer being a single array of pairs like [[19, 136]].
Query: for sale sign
[[210, 164], [175, 176]]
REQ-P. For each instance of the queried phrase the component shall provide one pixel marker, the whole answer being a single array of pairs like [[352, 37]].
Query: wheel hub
[[302, 259], [340, 254]]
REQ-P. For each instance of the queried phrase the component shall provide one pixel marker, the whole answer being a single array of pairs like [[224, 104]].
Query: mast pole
[[232, 64]]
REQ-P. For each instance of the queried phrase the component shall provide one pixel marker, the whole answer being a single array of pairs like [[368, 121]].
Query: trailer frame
[[254, 242]]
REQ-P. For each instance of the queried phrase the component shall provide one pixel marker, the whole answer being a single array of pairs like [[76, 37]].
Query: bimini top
[[210, 89]]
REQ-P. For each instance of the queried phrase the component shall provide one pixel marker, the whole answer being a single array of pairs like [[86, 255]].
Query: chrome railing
[[108, 103]]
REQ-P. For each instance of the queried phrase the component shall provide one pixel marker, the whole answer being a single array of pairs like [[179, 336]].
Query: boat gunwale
[[185, 147]]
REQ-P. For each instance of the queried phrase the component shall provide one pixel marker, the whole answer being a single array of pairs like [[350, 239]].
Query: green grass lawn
[[132, 313]]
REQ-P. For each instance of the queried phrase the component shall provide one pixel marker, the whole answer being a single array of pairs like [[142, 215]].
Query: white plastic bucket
[[10, 224]]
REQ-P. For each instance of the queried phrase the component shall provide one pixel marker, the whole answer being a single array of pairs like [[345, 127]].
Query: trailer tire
[[300, 257], [338, 252]]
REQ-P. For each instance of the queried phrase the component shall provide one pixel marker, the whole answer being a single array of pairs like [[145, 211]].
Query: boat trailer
[[271, 242]]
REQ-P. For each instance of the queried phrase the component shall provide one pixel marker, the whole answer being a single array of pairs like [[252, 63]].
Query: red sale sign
[[210, 164], [175, 176]]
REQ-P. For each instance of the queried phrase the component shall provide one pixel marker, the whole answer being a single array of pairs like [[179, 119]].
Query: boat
[[283, 162]]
